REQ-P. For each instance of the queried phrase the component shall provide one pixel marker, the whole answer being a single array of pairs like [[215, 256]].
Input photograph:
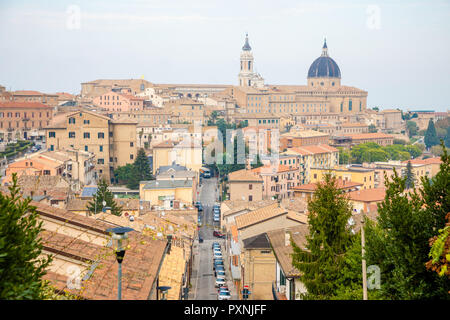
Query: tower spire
[[325, 48], [246, 46]]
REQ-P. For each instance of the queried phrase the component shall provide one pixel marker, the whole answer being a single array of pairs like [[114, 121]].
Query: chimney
[[287, 238]]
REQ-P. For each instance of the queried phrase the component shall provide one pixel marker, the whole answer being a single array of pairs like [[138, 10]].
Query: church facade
[[323, 93]]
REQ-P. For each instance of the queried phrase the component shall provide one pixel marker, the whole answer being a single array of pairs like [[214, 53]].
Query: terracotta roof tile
[[375, 135], [368, 195], [28, 105], [244, 175], [259, 215]]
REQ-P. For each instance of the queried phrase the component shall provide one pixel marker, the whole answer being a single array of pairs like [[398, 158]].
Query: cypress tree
[[329, 236], [409, 175], [431, 138], [142, 167], [103, 194]]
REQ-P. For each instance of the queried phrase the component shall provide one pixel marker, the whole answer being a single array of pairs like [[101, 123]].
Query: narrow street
[[203, 279]]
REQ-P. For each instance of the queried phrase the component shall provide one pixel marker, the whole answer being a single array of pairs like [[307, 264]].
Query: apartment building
[[187, 110], [185, 153], [113, 142], [29, 96], [365, 176], [302, 138], [348, 140], [92, 89], [278, 180], [23, 119], [307, 157], [117, 101], [76, 166], [245, 185]]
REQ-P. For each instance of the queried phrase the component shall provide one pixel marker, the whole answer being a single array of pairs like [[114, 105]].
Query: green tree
[[103, 194], [436, 151], [329, 236], [21, 264], [412, 128], [431, 138], [344, 156], [124, 173], [399, 243], [372, 128], [142, 167], [132, 174], [409, 175], [447, 138]]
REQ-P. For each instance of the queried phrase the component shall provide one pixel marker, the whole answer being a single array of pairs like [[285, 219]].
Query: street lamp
[[120, 241], [364, 270], [164, 290]]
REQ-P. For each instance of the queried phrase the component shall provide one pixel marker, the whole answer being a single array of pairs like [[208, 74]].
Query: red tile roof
[[376, 135], [18, 104], [273, 169], [340, 185], [368, 195], [314, 149], [435, 160], [28, 93]]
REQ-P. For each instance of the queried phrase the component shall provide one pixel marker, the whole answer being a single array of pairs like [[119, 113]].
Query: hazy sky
[[396, 50]]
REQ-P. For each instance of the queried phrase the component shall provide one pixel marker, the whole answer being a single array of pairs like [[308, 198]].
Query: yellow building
[[167, 193], [185, 153], [361, 175], [113, 142]]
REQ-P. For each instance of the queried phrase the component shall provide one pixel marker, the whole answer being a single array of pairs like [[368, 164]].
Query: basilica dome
[[324, 66]]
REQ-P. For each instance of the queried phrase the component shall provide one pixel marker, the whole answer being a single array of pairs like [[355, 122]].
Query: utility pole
[[364, 270]]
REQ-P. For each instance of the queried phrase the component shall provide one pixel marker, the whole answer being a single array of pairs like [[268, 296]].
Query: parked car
[[224, 295], [215, 245], [220, 282], [218, 260], [216, 218], [200, 239], [218, 234], [218, 269], [218, 254], [220, 273]]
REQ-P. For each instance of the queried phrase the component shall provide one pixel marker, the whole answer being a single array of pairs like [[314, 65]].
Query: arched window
[[249, 65], [350, 105]]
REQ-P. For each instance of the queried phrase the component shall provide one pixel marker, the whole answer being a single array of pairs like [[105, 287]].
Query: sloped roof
[[168, 184], [244, 175], [259, 215], [339, 183], [282, 252], [259, 241], [368, 195]]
